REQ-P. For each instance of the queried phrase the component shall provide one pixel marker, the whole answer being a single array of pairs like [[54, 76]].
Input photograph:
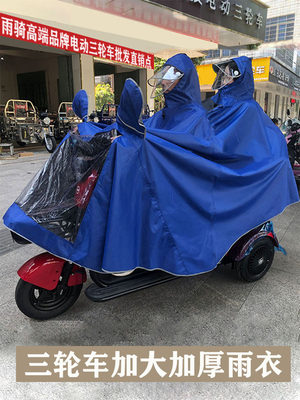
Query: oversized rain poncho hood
[[183, 108], [80, 107], [242, 89], [165, 198]]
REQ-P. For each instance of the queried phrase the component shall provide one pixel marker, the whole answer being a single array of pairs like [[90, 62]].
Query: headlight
[[96, 119], [46, 120]]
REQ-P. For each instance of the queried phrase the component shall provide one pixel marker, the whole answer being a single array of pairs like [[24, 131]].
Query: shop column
[[76, 69], [88, 79], [150, 101]]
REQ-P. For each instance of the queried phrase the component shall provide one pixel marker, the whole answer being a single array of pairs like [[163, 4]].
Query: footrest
[[136, 282]]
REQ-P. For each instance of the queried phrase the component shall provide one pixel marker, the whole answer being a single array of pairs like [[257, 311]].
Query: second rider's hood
[[241, 89], [129, 120]]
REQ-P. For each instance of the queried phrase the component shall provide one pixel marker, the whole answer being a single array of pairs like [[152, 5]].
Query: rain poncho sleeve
[[169, 196]]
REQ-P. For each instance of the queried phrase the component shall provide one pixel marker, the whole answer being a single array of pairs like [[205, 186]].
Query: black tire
[[292, 157], [21, 144], [256, 264], [57, 134], [50, 143], [54, 303], [19, 239]]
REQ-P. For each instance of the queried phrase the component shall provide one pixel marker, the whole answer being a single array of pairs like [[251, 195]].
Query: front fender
[[44, 270]]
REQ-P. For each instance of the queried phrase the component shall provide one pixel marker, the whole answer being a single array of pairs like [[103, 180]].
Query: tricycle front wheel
[[257, 263], [42, 304]]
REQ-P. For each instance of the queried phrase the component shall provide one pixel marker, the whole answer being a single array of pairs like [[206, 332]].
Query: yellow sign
[[260, 67], [206, 74]]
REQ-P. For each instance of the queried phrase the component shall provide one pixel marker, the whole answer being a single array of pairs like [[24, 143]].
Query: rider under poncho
[[182, 111], [179, 193]]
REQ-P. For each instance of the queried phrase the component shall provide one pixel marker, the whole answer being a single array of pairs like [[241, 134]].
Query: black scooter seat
[[117, 286]]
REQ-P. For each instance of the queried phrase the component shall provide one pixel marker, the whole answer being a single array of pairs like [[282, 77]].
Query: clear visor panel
[[163, 80], [225, 76]]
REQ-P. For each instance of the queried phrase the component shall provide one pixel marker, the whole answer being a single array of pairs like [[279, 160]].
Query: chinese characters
[[16, 28], [234, 9], [107, 363]]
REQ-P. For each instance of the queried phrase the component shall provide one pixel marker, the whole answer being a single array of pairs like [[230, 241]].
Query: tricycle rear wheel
[[257, 263]]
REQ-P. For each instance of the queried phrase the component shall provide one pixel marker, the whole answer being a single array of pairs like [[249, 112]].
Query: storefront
[[276, 88], [50, 50], [48, 65], [44, 77]]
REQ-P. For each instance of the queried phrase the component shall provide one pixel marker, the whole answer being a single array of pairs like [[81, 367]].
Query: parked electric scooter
[[50, 285], [293, 144], [66, 120], [20, 122], [47, 131]]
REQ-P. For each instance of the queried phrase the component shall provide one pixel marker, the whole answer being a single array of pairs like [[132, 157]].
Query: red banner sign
[[45, 35]]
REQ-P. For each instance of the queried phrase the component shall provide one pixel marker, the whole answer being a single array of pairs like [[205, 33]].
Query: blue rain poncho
[[80, 107], [173, 196], [182, 111]]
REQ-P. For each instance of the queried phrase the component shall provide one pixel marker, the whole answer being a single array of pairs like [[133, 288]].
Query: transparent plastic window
[[57, 196]]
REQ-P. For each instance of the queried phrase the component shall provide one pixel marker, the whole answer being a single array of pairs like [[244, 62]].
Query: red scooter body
[[44, 270], [50, 285]]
